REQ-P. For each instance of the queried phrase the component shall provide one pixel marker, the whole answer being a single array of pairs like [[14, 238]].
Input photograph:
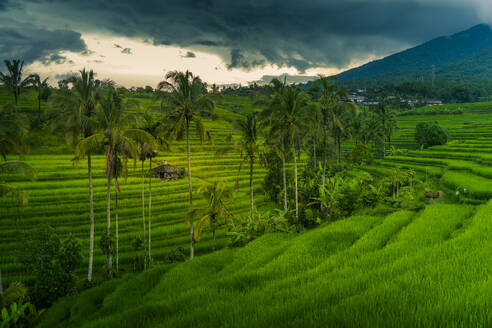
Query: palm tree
[[217, 196], [316, 131], [14, 128], [152, 125], [13, 79], [75, 118], [249, 144], [334, 109], [249, 147], [117, 171], [42, 89], [114, 120], [387, 123], [288, 121], [277, 143], [146, 152], [17, 167], [184, 94]]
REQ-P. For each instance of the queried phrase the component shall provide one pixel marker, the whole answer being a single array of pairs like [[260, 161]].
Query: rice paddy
[[405, 269]]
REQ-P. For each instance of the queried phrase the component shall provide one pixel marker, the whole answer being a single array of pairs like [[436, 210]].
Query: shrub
[[177, 255], [52, 263], [430, 134], [360, 154], [252, 228]]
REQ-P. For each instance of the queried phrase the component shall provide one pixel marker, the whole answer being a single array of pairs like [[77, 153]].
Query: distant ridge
[[464, 55]]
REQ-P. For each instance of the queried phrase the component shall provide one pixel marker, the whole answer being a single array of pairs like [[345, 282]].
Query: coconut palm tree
[[13, 79], [387, 124], [328, 95], [17, 167], [14, 128], [288, 121], [152, 124], [334, 110], [117, 136], [117, 171], [184, 99], [75, 118], [43, 92], [277, 143], [249, 147], [217, 196]]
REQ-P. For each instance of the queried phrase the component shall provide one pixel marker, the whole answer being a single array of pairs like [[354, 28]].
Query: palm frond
[[19, 167]]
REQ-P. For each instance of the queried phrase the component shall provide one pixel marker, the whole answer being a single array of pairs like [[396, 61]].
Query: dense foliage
[[52, 263], [430, 134]]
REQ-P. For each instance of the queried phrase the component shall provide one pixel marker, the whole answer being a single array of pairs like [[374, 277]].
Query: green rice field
[[405, 269]]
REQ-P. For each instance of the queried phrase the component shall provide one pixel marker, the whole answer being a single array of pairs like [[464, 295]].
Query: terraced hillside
[[463, 167], [407, 269], [60, 198]]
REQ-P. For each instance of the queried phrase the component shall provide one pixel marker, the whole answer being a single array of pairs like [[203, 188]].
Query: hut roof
[[166, 168]]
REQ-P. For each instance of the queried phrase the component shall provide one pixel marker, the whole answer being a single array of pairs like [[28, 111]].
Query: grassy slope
[[406, 269]]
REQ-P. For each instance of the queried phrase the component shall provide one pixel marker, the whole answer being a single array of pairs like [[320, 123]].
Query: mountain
[[454, 57]]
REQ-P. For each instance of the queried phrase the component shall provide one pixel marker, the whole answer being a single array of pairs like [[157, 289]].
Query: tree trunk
[[314, 152], [91, 216], [192, 237], [150, 211], [143, 213], [116, 218], [15, 99], [108, 209], [295, 181], [285, 184], [213, 239], [39, 108], [339, 148], [389, 142], [384, 145], [1, 284], [325, 139], [251, 196]]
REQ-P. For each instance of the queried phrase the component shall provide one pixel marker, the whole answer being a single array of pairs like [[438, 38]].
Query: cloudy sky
[[223, 41]]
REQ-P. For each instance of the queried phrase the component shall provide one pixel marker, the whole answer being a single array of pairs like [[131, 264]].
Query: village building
[[433, 102]]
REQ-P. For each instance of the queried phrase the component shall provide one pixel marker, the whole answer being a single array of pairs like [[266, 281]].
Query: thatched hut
[[167, 172]]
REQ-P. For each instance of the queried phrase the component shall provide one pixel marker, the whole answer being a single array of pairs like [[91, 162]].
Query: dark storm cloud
[[31, 43], [55, 58], [247, 34]]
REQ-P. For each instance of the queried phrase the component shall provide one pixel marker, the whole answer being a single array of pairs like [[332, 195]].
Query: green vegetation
[[395, 270], [430, 134], [341, 217]]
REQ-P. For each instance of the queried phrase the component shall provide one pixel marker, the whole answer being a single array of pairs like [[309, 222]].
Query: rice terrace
[[185, 164]]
